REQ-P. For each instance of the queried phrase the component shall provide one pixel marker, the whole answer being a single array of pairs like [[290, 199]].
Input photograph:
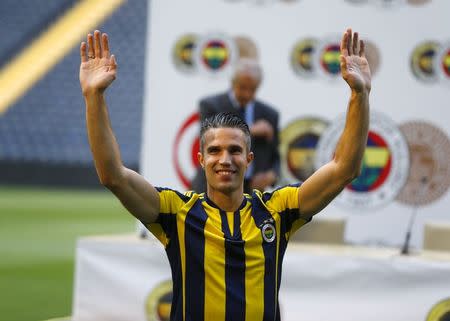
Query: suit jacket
[[266, 153]]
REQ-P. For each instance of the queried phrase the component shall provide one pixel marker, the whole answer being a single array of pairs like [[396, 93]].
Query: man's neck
[[228, 202], [234, 101]]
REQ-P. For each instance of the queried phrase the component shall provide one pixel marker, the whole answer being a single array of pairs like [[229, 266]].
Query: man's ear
[[250, 157], [200, 159]]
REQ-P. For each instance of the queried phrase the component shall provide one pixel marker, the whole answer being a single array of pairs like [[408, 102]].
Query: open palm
[[354, 66], [98, 68]]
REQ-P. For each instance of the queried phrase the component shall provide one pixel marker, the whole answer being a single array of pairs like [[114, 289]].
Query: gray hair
[[248, 66]]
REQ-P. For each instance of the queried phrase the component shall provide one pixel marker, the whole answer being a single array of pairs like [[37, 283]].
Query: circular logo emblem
[[215, 54], [182, 53], [385, 164], [440, 312], [302, 57], [298, 141], [422, 61], [327, 58], [159, 302], [443, 62], [247, 48], [268, 232], [429, 174], [185, 149]]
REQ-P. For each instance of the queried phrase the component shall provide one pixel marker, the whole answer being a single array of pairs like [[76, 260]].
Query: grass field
[[38, 232]]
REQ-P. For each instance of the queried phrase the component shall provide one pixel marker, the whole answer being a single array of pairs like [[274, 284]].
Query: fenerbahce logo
[[268, 230], [440, 311], [159, 302]]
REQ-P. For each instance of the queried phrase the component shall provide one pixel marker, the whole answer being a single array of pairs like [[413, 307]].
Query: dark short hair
[[224, 120]]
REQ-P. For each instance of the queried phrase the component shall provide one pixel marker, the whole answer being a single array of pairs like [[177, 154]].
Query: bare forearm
[[104, 147], [352, 143]]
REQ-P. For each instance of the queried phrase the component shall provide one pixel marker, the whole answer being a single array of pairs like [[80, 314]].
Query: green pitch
[[38, 232]]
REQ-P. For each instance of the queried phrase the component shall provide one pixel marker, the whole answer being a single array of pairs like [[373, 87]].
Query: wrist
[[92, 92], [361, 93]]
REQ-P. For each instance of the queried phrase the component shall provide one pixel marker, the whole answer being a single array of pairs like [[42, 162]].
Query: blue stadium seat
[[48, 123]]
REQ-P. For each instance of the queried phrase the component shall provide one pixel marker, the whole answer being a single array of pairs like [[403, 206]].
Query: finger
[[344, 50], [105, 45], [355, 43], [343, 63], [349, 42], [83, 52], [97, 48], [90, 46], [362, 49], [112, 63]]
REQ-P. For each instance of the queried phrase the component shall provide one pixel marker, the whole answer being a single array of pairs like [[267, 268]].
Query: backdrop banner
[[191, 51]]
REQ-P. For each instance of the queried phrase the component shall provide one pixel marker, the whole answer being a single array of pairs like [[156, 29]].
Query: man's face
[[244, 88], [225, 159]]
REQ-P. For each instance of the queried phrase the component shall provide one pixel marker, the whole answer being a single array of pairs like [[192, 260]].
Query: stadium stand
[[43, 135]]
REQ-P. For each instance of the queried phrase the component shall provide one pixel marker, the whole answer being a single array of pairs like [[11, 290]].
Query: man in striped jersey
[[225, 247]]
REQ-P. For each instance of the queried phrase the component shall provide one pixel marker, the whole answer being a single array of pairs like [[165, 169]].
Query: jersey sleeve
[[284, 201], [171, 202]]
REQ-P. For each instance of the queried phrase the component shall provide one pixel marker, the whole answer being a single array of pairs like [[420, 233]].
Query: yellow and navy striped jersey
[[226, 265]]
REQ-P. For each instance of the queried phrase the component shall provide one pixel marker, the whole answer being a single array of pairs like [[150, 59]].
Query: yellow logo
[[159, 302], [440, 311]]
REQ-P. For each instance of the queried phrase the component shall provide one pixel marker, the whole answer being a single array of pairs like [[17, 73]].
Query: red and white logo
[[185, 149]]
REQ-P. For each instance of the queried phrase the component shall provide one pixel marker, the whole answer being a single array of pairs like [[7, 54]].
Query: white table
[[116, 274]]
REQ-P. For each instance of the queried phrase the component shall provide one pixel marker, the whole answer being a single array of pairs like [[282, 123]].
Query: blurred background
[[49, 192], [50, 196]]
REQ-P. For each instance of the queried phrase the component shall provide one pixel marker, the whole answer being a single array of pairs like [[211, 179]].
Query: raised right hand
[[98, 68]]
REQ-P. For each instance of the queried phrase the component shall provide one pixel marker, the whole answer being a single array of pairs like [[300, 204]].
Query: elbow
[[111, 180], [352, 177], [350, 173], [358, 172], [108, 183]]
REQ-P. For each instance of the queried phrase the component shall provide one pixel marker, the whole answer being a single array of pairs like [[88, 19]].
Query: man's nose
[[225, 158], [247, 96]]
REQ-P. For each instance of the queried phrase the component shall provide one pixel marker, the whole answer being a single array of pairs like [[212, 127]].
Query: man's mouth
[[225, 172]]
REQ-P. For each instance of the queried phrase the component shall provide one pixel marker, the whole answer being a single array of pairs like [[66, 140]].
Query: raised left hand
[[354, 66]]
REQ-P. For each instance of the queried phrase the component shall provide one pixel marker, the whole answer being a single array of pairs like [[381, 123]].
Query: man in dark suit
[[261, 118]]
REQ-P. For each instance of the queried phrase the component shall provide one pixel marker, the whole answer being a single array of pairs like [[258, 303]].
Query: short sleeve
[[284, 201], [171, 202]]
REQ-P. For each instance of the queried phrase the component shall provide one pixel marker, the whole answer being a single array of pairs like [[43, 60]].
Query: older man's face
[[244, 87]]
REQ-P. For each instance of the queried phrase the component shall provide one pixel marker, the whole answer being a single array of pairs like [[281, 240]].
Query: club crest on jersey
[[268, 230]]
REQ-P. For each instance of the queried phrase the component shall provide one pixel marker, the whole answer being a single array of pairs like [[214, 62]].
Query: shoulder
[[280, 199], [214, 99], [185, 196], [266, 109], [172, 200]]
